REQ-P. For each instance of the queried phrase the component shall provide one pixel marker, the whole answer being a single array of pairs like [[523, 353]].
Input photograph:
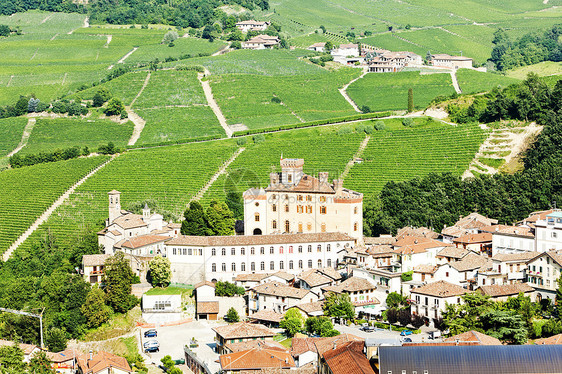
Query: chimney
[[323, 177], [91, 355], [338, 186], [334, 346], [274, 179]]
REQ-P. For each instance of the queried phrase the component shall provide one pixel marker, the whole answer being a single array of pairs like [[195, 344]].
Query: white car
[[151, 346]]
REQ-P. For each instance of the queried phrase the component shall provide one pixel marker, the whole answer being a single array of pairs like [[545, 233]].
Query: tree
[[56, 339], [21, 106], [33, 105], [11, 358], [170, 37], [395, 300], [234, 198], [339, 306], [292, 322], [232, 315], [404, 317], [559, 298], [228, 289], [410, 100], [160, 271], [97, 100], [221, 219], [94, 309], [439, 324], [40, 364], [417, 321], [392, 315], [321, 326], [505, 325], [365, 109], [114, 107], [118, 278], [328, 46], [195, 222]]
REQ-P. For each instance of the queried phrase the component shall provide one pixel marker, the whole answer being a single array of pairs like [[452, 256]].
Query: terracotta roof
[[101, 361], [497, 290], [352, 284], [302, 345], [311, 307], [94, 260], [426, 269], [267, 315], [63, 356], [207, 307], [536, 216], [317, 45], [441, 289], [249, 344], [325, 344], [379, 240], [330, 272], [514, 257], [129, 221], [453, 252], [555, 339], [411, 240], [252, 277], [444, 56], [242, 330], [474, 221], [349, 358], [257, 358], [453, 231], [380, 251], [519, 231], [417, 232], [282, 290], [474, 336], [204, 283], [248, 240], [283, 275], [350, 45], [314, 279], [483, 237], [143, 240], [469, 262], [26, 348]]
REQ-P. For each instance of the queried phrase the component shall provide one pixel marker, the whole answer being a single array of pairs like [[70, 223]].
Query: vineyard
[[389, 91], [11, 130], [170, 176], [171, 88], [415, 152], [124, 87], [182, 47], [33, 189], [471, 81], [52, 134]]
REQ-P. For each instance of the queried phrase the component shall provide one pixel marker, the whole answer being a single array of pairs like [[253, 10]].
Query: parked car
[[152, 333], [434, 334], [367, 328], [407, 340], [151, 346], [406, 333]]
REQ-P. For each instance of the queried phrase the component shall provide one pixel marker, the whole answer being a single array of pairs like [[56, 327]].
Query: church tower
[[146, 213], [114, 205]]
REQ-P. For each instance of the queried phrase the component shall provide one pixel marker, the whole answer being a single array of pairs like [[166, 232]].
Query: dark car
[[151, 346], [407, 340], [152, 333], [367, 328]]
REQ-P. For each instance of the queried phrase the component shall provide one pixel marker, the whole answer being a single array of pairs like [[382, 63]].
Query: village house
[[451, 254], [510, 239], [261, 42], [269, 318], [505, 268], [28, 349], [256, 359], [310, 351], [295, 202], [470, 224], [534, 217], [240, 332], [250, 280], [102, 363], [390, 62], [278, 297], [411, 251], [375, 257], [93, 267], [252, 25], [431, 299], [479, 243], [548, 232], [346, 54], [63, 362], [348, 358], [463, 272], [542, 274], [208, 306], [313, 309], [161, 308], [424, 273], [451, 62], [315, 279], [362, 293], [501, 292], [317, 47], [386, 281]]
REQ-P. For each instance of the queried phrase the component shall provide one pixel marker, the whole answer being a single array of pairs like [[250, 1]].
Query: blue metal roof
[[504, 359]]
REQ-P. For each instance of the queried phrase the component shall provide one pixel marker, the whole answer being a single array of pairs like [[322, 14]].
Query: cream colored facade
[[298, 203]]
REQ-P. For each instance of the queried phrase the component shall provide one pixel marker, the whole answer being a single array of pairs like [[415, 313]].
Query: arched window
[[213, 252], [309, 209], [310, 264], [281, 266], [262, 265], [300, 264], [253, 266], [300, 248], [291, 265], [328, 247], [223, 266], [287, 226], [233, 251], [243, 266], [223, 251], [322, 210], [271, 250], [309, 248], [233, 266], [243, 251], [290, 249], [262, 250], [319, 248], [274, 225], [281, 250], [257, 217], [323, 227], [272, 265], [213, 268], [319, 264], [329, 262], [252, 251]]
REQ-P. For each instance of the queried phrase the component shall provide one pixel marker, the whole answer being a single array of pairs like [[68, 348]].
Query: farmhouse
[[390, 62], [295, 202], [240, 332], [261, 42], [93, 267], [346, 54], [317, 47], [252, 25], [451, 62]]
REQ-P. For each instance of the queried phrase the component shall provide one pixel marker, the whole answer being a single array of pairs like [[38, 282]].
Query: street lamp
[[20, 312]]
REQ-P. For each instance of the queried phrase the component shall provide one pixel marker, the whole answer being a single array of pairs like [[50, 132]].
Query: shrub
[[259, 138], [170, 37], [344, 131], [368, 130], [365, 109], [407, 122], [276, 100], [241, 141], [114, 107], [379, 125]]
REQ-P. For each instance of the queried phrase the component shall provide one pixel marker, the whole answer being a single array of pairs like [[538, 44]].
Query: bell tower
[[114, 205]]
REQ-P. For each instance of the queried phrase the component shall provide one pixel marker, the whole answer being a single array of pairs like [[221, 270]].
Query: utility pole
[[20, 312]]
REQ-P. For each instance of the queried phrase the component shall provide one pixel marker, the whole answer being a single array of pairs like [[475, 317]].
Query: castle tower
[[146, 213], [291, 170], [114, 205]]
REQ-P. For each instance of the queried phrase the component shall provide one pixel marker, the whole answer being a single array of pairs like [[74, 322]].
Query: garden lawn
[[471, 81], [49, 135], [389, 91], [11, 131]]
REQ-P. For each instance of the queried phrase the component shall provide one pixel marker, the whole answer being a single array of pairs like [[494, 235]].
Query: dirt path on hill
[[222, 51], [343, 92], [222, 169], [147, 79], [122, 60], [86, 24], [25, 137], [357, 154], [47, 213], [212, 103], [139, 125], [455, 82]]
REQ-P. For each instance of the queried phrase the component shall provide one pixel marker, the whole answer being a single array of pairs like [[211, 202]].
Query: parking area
[[385, 334], [172, 340]]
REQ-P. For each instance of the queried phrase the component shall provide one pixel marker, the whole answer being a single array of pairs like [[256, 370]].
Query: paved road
[[172, 339], [383, 334]]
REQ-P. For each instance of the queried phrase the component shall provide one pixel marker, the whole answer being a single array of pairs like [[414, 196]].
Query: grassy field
[[471, 81], [543, 69], [52, 134], [170, 176], [390, 91], [414, 152], [170, 290], [247, 99], [33, 189], [11, 131]]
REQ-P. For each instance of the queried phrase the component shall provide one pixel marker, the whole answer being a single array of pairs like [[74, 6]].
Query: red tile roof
[[476, 337], [267, 315], [497, 290], [555, 339], [440, 289], [143, 240], [484, 237], [207, 307], [280, 289], [349, 358], [257, 358], [101, 361], [247, 240], [242, 330]]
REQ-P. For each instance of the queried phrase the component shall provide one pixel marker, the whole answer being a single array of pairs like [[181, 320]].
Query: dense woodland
[[439, 199]]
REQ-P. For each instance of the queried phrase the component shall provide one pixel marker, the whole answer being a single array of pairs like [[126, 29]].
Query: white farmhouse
[[542, 274], [252, 25], [431, 299]]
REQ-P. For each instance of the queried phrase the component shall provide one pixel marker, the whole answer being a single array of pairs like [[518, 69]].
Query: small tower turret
[[145, 213], [114, 205]]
